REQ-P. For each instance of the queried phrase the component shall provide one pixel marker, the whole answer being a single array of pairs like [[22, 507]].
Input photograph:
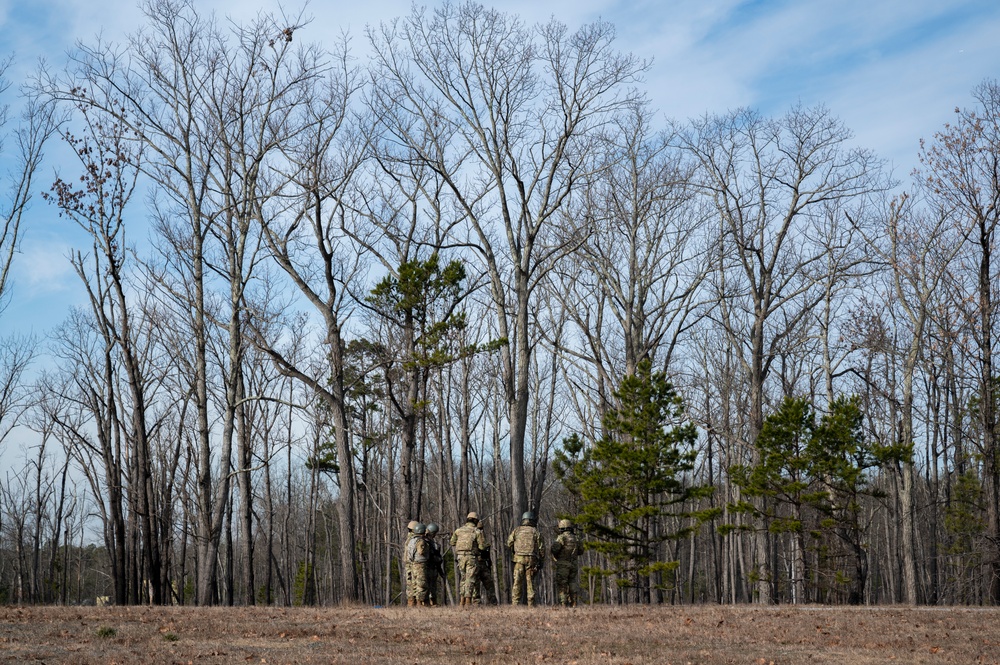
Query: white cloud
[[892, 70], [43, 286], [43, 268]]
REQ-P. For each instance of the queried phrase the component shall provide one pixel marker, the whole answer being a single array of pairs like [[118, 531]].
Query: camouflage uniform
[[435, 566], [484, 576], [469, 542], [529, 553], [408, 567], [417, 556], [565, 550]]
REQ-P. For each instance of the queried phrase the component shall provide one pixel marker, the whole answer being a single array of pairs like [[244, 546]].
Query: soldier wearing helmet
[[417, 556], [528, 549], [469, 543], [435, 563], [411, 599], [565, 551]]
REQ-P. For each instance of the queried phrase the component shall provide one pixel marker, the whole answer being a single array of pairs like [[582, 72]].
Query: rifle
[[440, 569], [484, 567]]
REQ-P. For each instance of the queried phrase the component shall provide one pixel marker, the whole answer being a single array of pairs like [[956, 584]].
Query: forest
[[475, 270]]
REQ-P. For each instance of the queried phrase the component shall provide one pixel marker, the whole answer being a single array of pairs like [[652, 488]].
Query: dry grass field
[[701, 634]]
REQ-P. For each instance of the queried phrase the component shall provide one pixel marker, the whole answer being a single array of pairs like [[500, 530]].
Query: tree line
[[474, 270]]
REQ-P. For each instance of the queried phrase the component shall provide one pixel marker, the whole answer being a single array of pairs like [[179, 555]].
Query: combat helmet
[[565, 525], [419, 529], [432, 529], [528, 516], [472, 517], [412, 525]]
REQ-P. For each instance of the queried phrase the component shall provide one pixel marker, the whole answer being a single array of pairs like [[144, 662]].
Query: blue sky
[[892, 70]]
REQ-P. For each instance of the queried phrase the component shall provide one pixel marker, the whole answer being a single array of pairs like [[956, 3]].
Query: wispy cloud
[[42, 268], [893, 70], [890, 70], [43, 286]]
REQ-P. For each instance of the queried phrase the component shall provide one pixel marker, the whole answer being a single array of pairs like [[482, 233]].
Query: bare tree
[[632, 288], [502, 114], [306, 241], [961, 172], [767, 178], [918, 246], [110, 168], [156, 88], [35, 124], [80, 399], [209, 106]]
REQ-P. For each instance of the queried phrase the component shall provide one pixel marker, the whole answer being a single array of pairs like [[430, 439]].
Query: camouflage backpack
[[524, 541], [570, 547], [416, 550], [465, 538]]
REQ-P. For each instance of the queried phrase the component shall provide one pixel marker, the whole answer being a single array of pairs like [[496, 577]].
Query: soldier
[[417, 556], [528, 548], [435, 564], [410, 535], [469, 543], [565, 550]]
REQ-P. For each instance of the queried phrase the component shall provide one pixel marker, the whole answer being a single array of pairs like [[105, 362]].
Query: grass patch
[[106, 632]]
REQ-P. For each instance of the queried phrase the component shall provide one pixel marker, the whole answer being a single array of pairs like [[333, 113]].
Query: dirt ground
[[639, 635]]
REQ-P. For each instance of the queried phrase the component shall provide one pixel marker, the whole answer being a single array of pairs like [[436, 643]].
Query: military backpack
[[416, 551], [569, 547], [465, 540], [524, 541]]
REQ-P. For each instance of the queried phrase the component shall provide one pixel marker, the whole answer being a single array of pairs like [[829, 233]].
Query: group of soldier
[[425, 563]]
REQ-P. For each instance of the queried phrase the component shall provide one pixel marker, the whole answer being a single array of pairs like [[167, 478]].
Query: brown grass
[[639, 635]]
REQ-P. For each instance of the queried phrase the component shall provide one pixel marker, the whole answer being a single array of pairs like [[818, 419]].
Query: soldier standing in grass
[[469, 542], [435, 564], [417, 556], [565, 551], [528, 548], [408, 582]]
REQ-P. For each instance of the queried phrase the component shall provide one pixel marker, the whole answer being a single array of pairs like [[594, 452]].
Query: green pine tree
[[809, 480], [632, 485]]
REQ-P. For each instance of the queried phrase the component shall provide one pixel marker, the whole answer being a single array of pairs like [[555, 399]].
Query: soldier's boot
[[463, 601], [410, 602]]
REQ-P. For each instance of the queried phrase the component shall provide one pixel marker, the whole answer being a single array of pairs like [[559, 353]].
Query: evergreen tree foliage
[[811, 475], [631, 485], [422, 300], [783, 473]]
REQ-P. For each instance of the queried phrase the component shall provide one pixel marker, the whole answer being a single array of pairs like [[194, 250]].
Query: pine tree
[[809, 480], [632, 484]]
